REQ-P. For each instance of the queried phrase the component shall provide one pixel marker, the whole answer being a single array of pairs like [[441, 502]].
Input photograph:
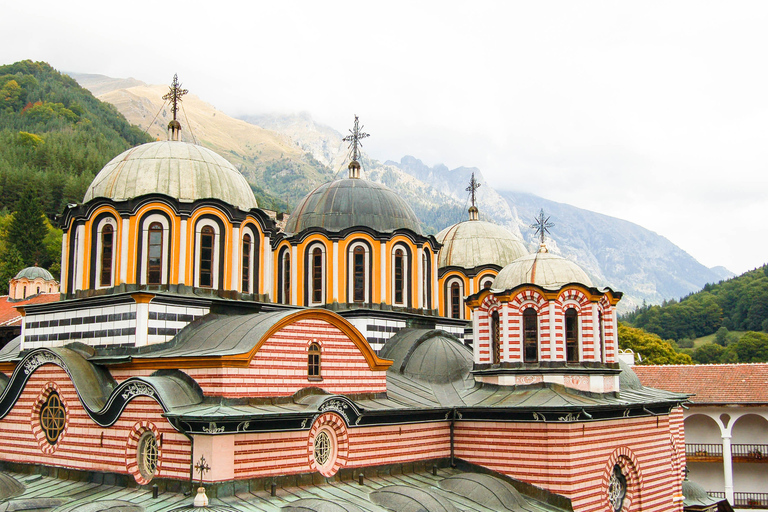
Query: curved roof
[[404, 497], [695, 496], [34, 273], [10, 487], [180, 170], [543, 269], [102, 506], [628, 379], [489, 491], [431, 356], [320, 505], [472, 243], [351, 202]]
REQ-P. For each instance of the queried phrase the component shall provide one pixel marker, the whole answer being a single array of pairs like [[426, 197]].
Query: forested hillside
[[738, 304], [54, 137]]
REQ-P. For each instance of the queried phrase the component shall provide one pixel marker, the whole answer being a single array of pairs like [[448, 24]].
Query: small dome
[[10, 487], [542, 268], [180, 170], [342, 204], [32, 273], [473, 243], [429, 355], [695, 495], [628, 379]]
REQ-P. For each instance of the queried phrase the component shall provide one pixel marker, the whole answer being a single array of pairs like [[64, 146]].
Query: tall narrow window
[[317, 276], [495, 337], [571, 336], [399, 276], [155, 251], [358, 271], [286, 278], [601, 333], [425, 280], [455, 300], [246, 273], [206, 257], [530, 336], [107, 242], [313, 362]]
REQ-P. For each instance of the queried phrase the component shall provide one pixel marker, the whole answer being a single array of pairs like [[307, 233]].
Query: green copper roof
[[353, 202], [542, 268], [34, 273], [180, 170]]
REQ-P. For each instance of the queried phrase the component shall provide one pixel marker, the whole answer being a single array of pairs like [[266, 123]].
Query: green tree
[[751, 348], [708, 353], [27, 231], [721, 335], [10, 264], [651, 347]]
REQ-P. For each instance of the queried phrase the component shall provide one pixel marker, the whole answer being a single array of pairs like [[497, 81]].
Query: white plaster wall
[[701, 429], [706, 474]]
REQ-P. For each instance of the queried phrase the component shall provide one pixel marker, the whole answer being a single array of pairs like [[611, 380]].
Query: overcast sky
[[654, 112]]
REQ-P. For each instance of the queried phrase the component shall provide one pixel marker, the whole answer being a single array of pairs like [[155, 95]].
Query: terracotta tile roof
[[710, 383], [9, 315]]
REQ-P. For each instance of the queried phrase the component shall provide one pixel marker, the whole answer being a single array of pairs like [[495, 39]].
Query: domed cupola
[[472, 254], [163, 216], [543, 316], [544, 269], [180, 170], [363, 236], [353, 202]]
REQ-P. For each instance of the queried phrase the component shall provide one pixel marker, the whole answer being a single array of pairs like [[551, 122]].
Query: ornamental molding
[[135, 389], [38, 359]]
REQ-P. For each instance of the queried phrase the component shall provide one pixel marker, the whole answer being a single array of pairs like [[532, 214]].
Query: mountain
[[287, 155]]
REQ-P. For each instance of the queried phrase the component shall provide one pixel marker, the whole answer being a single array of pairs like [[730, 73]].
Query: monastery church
[[192, 330]]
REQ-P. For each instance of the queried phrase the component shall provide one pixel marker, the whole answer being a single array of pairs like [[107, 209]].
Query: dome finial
[[542, 225], [473, 186], [174, 94], [354, 145]]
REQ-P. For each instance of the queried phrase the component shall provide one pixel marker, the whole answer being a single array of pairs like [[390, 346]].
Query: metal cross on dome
[[542, 225], [174, 94], [473, 185], [202, 467], [354, 139]]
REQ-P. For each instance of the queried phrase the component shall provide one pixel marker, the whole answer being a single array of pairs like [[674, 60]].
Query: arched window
[[530, 336], [571, 336], [317, 276], [107, 243], [399, 277], [359, 274], [205, 277], [487, 282], [455, 300], [425, 295], [155, 254], [495, 337], [285, 272], [38, 290], [25, 292], [246, 268], [313, 362]]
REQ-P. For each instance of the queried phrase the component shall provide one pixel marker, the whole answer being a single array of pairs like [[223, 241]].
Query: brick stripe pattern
[[285, 453], [279, 368], [34, 420], [86, 446], [551, 326], [340, 452], [132, 450], [573, 459]]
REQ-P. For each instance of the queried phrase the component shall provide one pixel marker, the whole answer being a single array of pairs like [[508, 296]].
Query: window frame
[[358, 249], [110, 222], [217, 239], [316, 276], [314, 361], [146, 222], [530, 334], [571, 321], [404, 277]]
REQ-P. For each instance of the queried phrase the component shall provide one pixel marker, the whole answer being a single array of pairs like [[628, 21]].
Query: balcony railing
[[744, 499], [714, 452]]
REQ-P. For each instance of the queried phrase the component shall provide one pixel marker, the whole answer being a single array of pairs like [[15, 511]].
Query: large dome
[[473, 243], [542, 268], [342, 204], [180, 170]]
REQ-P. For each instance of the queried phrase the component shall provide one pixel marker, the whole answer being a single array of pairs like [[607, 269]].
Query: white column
[[728, 467], [142, 323], [183, 251], [79, 257], [267, 273], [334, 264], [552, 335], [435, 291], [419, 278], [504, 340], [294, 275], [384, 284], [471, 286], [125, 249], [236, 261], [63, 267]]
